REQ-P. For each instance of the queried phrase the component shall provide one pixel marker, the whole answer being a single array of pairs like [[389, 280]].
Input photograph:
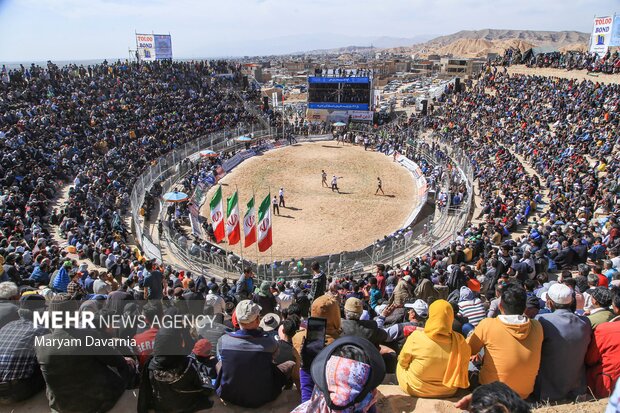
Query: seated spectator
[[403, 291], [346, 373], [603, 356], [353, 326], [9, 293], [20, 375], [470, 306], [249, 350], [511, 342], [562, 372], [286, 351], [265, 299], [600, 301], [66, 369], [417, 312], [215, 300], [171, 380], [433, 362], [323, 307], [145, 341], [285, 296]]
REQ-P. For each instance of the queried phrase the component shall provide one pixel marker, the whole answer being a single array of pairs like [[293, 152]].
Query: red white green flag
[[249, 224], [233, 228], [264, 224], [217, 215]]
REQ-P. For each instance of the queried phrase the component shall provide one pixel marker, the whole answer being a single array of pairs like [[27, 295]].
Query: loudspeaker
[[424, 103], [457, 84]]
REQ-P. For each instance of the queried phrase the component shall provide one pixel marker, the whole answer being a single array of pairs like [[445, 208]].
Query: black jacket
[[79, 382], [319, 285], [367, 329]]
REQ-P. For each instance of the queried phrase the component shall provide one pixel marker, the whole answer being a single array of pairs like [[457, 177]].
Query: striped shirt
[[473, 310]]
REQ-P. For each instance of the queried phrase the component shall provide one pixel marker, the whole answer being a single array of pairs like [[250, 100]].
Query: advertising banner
[[601, 35], [146, 46], [615, 35], [163, 46], [316, 79], [341, 106]]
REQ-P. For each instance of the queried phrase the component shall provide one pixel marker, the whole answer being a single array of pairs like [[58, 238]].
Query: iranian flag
[[233, 230], [249, 224], [217, 215], [264, 225]]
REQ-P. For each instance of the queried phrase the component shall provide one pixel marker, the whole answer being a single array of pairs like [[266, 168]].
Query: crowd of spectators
[[570, 60], [463, 318]]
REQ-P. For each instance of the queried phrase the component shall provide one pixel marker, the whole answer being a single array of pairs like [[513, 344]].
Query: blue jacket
[[562, 371], [248, 377], [62, 280], [40, 276]]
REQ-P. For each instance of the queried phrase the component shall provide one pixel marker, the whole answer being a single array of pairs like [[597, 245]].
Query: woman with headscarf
[[434, 361], [265, 299], [346, 375]]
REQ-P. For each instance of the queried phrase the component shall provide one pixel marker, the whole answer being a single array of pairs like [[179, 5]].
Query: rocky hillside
[[477, 43]]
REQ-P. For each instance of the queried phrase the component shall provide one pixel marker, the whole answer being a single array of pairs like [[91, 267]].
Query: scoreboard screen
[[346, 93]]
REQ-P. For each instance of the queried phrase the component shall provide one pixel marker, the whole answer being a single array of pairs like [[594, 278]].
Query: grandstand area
[[498, 214]]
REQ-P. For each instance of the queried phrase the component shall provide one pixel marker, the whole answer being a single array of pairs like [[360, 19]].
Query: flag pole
[[240, 242], [273, 278]]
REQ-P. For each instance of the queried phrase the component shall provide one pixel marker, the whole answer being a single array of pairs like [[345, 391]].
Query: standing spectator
[[153, 282], [319, 282], [265, 299], [215, 300]]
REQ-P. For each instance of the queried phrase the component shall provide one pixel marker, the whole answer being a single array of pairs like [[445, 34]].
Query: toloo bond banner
[[601, 35]]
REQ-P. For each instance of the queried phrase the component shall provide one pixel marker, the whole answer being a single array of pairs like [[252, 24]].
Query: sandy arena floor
[[317, 221]]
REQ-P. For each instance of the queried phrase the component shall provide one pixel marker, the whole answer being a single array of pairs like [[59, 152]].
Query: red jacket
[[603, 358]]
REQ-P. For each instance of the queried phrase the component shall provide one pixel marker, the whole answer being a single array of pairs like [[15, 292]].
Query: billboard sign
[[163, 46], [340, 106], [615, 35], [146, 46], [601, 35], [317, 79]]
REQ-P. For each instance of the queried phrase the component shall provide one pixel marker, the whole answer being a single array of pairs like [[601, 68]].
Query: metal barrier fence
[[431, 233], [168, 169]]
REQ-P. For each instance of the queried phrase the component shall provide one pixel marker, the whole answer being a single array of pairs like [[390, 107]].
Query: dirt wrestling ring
[[345, 232]]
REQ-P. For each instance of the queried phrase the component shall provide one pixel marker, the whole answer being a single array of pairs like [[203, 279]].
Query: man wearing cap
[[20, 375], [319, 282], [562, 373], [600, 302], [418, 312], [248, 376], [403, 291], [352, 325]]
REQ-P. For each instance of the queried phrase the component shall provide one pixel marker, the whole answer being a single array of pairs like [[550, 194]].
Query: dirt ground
[[563, 73], [317, 221]]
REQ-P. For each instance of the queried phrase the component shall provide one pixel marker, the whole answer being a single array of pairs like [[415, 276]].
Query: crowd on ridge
[[570, 60], [545, 303]]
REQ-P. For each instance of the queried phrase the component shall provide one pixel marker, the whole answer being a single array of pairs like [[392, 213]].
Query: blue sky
[[88, 29]]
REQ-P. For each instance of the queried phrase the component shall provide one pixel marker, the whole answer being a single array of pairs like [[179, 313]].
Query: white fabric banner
[[146, 46], [601, 35]]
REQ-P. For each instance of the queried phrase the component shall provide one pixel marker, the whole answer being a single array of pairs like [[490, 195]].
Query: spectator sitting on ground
[[434, 361], [511, 342], [249, 350]]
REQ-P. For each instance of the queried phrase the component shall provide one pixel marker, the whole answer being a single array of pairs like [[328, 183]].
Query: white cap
[[560, 294], [420, 307]]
